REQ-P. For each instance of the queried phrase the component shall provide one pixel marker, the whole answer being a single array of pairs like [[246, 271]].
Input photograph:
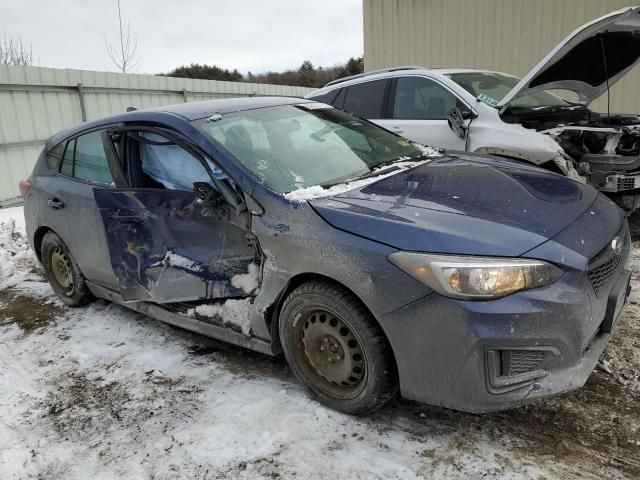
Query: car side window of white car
[[419, 98], [366, 99]]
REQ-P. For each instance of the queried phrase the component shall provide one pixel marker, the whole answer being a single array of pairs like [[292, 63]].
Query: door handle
[[397, 130], [55, 203]]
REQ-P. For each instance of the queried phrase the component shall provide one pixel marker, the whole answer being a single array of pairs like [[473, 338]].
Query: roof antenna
[[606, 74]]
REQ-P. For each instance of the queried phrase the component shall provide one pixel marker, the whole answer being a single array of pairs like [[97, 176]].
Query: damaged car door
[[178, 232]]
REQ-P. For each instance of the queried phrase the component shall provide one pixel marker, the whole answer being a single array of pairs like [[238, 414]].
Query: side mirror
[[206, 193], [456, 123]]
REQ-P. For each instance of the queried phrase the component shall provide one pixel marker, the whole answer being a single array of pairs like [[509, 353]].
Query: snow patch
[[297, 178], [214, 118], [426, 150], [247, 282], [234, 312], [173, 259]]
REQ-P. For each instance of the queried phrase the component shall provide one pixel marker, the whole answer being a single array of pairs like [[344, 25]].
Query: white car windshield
[[296, 146], [491, 87]]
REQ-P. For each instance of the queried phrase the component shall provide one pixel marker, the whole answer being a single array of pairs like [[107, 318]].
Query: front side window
[[366, 99], [162, 164], [418, 98], [297, 146]]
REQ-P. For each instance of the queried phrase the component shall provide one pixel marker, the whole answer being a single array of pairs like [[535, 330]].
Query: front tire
[[634, 225], [63, 272], [336, 349]]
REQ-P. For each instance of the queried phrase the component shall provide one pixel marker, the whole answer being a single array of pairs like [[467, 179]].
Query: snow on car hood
[[576, 64], [461, 204]]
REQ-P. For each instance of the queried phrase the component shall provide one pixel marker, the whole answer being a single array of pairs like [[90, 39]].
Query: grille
[[626, 183], [601, 274], [525, 361]]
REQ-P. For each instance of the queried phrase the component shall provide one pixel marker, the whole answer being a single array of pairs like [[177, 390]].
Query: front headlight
[[475, 278]]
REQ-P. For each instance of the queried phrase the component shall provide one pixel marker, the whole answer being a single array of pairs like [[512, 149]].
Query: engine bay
[[603, 149]]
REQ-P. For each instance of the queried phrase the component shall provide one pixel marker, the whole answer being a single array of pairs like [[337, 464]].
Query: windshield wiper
[[376, 170], [369, 174]]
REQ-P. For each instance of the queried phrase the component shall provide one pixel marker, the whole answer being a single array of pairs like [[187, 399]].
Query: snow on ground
[[102, 392]]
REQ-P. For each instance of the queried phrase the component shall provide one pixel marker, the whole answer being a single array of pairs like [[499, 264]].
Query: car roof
[[196, 110], [188, 111], [392, 72]]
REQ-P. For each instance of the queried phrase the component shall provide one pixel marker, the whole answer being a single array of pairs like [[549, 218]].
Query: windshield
[[491, 87], [296, 146]]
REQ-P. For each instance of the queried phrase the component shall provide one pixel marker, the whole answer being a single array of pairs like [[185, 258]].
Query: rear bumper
[[487, 356]]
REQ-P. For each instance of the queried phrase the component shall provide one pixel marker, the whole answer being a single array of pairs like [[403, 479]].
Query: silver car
[[529, 119]]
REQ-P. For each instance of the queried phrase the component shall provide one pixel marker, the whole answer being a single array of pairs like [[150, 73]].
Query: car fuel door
[[179, 233]]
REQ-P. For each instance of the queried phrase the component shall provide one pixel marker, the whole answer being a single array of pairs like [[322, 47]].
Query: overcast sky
[[251, 35]]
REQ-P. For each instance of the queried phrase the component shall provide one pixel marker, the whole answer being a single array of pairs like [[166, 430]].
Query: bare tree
[[123, 55], [14, 52]]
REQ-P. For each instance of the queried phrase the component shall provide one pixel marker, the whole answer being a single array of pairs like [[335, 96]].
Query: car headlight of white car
[[476, 278]]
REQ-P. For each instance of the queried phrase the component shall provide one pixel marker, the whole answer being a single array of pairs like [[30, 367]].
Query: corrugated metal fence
[[37, 102], [504, 35]]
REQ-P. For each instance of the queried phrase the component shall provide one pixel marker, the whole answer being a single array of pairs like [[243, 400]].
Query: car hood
[[576, 63], [469, 204]]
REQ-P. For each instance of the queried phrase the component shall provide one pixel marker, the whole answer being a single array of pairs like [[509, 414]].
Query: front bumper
[[492, 355]]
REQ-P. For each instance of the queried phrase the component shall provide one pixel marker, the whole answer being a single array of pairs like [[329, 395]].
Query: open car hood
[[577, 63]]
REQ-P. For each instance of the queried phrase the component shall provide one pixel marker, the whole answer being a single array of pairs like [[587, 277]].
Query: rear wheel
[[336, 348], [63, 272]]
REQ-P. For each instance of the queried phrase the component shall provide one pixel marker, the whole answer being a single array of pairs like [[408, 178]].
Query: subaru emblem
[[616, 245]]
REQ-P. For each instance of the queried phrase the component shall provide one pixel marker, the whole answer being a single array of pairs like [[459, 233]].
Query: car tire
[[634, 225], [336, 348], [63, 272]]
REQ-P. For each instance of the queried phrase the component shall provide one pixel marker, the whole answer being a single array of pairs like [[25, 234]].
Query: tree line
[[307, 75]]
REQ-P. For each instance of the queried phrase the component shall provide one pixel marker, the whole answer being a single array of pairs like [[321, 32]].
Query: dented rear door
[[169, 246]]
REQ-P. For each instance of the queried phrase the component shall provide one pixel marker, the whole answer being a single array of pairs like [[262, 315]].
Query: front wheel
[[336, 349], [634, 225]]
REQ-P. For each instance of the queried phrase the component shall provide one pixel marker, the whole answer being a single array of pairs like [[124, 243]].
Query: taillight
[[24, 186]]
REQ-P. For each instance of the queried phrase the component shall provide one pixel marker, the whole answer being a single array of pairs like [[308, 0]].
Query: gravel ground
[[103, 392]]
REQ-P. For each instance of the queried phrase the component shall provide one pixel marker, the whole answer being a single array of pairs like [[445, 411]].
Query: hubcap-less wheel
[[330, 353], [61, 268]]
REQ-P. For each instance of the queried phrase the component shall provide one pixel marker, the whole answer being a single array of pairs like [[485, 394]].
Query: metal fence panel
[[36, 102]]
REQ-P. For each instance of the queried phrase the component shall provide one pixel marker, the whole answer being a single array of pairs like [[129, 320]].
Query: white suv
[[525, 119]]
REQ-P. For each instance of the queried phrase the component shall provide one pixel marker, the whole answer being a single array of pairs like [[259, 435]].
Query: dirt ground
[[104, 392]]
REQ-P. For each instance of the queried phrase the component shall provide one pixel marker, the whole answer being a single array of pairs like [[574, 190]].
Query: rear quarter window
[[54, 156]]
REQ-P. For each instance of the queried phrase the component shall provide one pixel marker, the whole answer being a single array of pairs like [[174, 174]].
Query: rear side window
[[67, 160], [338, 102], [327, 98], [366, 99], [86, 159], [54, 156]]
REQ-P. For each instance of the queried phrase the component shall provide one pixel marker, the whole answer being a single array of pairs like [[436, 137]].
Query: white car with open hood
[[542, 118]]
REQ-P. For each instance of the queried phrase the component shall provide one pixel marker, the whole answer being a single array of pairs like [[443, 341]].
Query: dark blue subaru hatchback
[[373, 264]]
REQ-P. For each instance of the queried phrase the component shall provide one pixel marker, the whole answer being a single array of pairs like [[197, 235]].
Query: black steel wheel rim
[[61, 269], [329, 353]]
